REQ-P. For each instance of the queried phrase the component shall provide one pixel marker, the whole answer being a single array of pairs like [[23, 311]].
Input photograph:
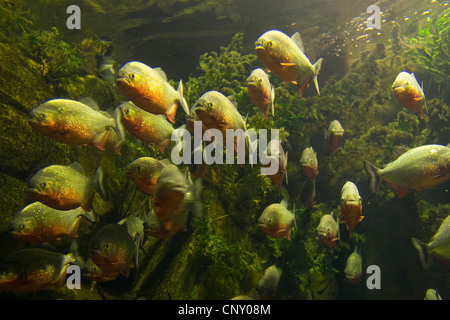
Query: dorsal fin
[[233, 101], [284, 203], [90, 102], [298, 41], [77, 166], [160, 71], [398, 151]]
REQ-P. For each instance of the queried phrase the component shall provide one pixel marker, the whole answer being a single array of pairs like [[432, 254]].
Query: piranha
[[328, 230], [438, 247], [92, 272], [106, 68], [284, 56], [353, 268], [175, 194], [39, 223], [112, 249], [33, 269], [281, 158], [408, 91], [351, 206], [135, 227], [432, 294], [267, 286], [419, 168], [144, 172], [153, 227], [309, 163], [66, 187], [261, 92], [149, 89], [147, 127], [76, 123], [277, 221], [219, 112], [334, 136]]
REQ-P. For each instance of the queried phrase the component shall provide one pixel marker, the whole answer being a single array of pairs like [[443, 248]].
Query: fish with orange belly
[[175, 195], [328, 230], [280, 159], [39, 223], [145, 126], [310, 165], [34, 269], [66, 187], [149, 89], [419, 168], [351, 206], [76, 123], [277, 221], [408, 91], [334, 135], [216, 111], [353, 267], [284, 56], [112, 249], [261, 92], [144, 172]]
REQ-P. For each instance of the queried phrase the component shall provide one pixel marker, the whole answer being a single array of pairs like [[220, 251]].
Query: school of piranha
[[64, 195]]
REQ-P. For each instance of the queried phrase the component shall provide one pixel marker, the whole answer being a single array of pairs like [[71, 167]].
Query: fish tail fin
[[74, 252], [100, 183], [317, 66], [119, 127], [422, 249], [372, 171], [183, 101], [90, 216]]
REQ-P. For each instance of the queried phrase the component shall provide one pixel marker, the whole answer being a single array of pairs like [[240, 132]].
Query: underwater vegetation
[[432, 52], [223, 254]]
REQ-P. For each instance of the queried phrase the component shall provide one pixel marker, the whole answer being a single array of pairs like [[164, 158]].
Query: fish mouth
[[398, 89], [32, 190], [122, 81], [259, 47]]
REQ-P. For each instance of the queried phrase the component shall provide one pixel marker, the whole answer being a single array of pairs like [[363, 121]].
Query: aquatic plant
[[58, 58], [432, 51], [225, 71]]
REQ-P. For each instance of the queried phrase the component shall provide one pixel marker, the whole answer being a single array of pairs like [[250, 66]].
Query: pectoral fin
[[100, 141], [171, 113]]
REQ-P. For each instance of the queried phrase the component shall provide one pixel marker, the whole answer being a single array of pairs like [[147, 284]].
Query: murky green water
[[201, 231]]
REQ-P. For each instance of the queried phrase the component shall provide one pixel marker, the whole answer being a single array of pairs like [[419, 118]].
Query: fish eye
[[126, 111], [132, 76], [21, 227], [209, 104], [269, 44], [43, 185]]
